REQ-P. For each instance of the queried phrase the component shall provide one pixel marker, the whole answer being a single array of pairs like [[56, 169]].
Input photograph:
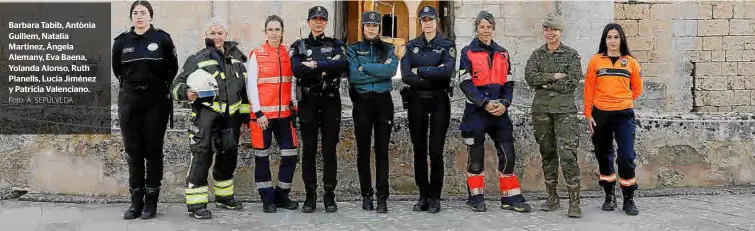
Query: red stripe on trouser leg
[[293, 133], [476, 184], [509, 185], [256, 134]]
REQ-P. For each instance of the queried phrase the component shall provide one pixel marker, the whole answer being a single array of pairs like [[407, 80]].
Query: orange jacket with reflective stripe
[[611, 86], [273, 80]]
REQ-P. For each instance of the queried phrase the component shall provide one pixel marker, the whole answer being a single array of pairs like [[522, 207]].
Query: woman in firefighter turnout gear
[[372, 65], [485, 68], [215, 125], [554, 70], [270, 94], [145, 63], [612, 82], [318, 63], [427, 68]]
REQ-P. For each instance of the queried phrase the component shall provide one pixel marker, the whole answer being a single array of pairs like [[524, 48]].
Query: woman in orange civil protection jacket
[[612, 82]]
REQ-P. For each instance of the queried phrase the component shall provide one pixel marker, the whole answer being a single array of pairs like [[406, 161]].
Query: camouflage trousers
[[557, 136]]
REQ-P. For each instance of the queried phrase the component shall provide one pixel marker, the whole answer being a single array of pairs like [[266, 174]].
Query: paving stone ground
[[714, 212]]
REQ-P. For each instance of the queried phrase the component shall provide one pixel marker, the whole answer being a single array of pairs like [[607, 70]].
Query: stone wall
[[707, 45], [675, 147]]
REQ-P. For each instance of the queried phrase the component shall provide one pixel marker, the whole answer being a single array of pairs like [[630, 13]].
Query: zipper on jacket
[[280, 81]]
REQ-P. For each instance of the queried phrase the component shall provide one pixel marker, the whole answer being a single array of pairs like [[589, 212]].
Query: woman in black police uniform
[[427, 68], [145, 63]]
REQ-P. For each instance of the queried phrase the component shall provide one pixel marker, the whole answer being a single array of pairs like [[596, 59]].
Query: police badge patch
[[309, 52], [452, 52], [415, 50], [624, 62], [152, 47]]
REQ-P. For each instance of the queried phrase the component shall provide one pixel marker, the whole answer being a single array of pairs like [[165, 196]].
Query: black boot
[[478, 207], [434, 206], [282, 200], [629, 207], [200, 212], [229, 203], [421, 205], [137, 204], [367, 203], [150, 203], [382, 205], [310, 204], [610, 202], [330, 202]]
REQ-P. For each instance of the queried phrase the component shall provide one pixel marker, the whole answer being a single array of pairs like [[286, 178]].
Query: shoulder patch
[[452, 52]]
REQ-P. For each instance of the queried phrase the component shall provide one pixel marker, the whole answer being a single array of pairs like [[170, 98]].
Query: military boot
[[137, 204], [150, 203], [629, 207], [574, 202], [610, 202], [553, 202], [478, 207]]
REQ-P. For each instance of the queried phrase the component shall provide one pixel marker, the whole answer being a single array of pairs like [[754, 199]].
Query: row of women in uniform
[[255, 90]]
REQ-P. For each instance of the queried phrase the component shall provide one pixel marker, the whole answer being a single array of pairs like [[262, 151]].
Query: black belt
[[428, 94]]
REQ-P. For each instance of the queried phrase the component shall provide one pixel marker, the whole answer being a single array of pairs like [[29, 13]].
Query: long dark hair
[[623, 47]]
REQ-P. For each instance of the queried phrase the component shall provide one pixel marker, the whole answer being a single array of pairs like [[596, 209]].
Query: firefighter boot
[[574, 202], [629, 207], [150, 203], [552, 202], [137, 204], [229, 203], [610, 203], [200, 213]]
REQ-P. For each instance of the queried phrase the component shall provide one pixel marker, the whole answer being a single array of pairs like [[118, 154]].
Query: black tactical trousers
[[143, 118], [320, 115], [433, 109], [373, 111]]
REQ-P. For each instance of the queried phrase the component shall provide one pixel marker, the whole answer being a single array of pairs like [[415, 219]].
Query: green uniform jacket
[[553, 95]]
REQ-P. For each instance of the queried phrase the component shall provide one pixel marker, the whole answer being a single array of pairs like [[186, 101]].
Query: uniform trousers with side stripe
[[285, 135], [619, 125], [475, 124], [211, 134]]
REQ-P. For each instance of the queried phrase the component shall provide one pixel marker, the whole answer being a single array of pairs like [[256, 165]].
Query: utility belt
[[407, 94], [142, 87], [329, 87]]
